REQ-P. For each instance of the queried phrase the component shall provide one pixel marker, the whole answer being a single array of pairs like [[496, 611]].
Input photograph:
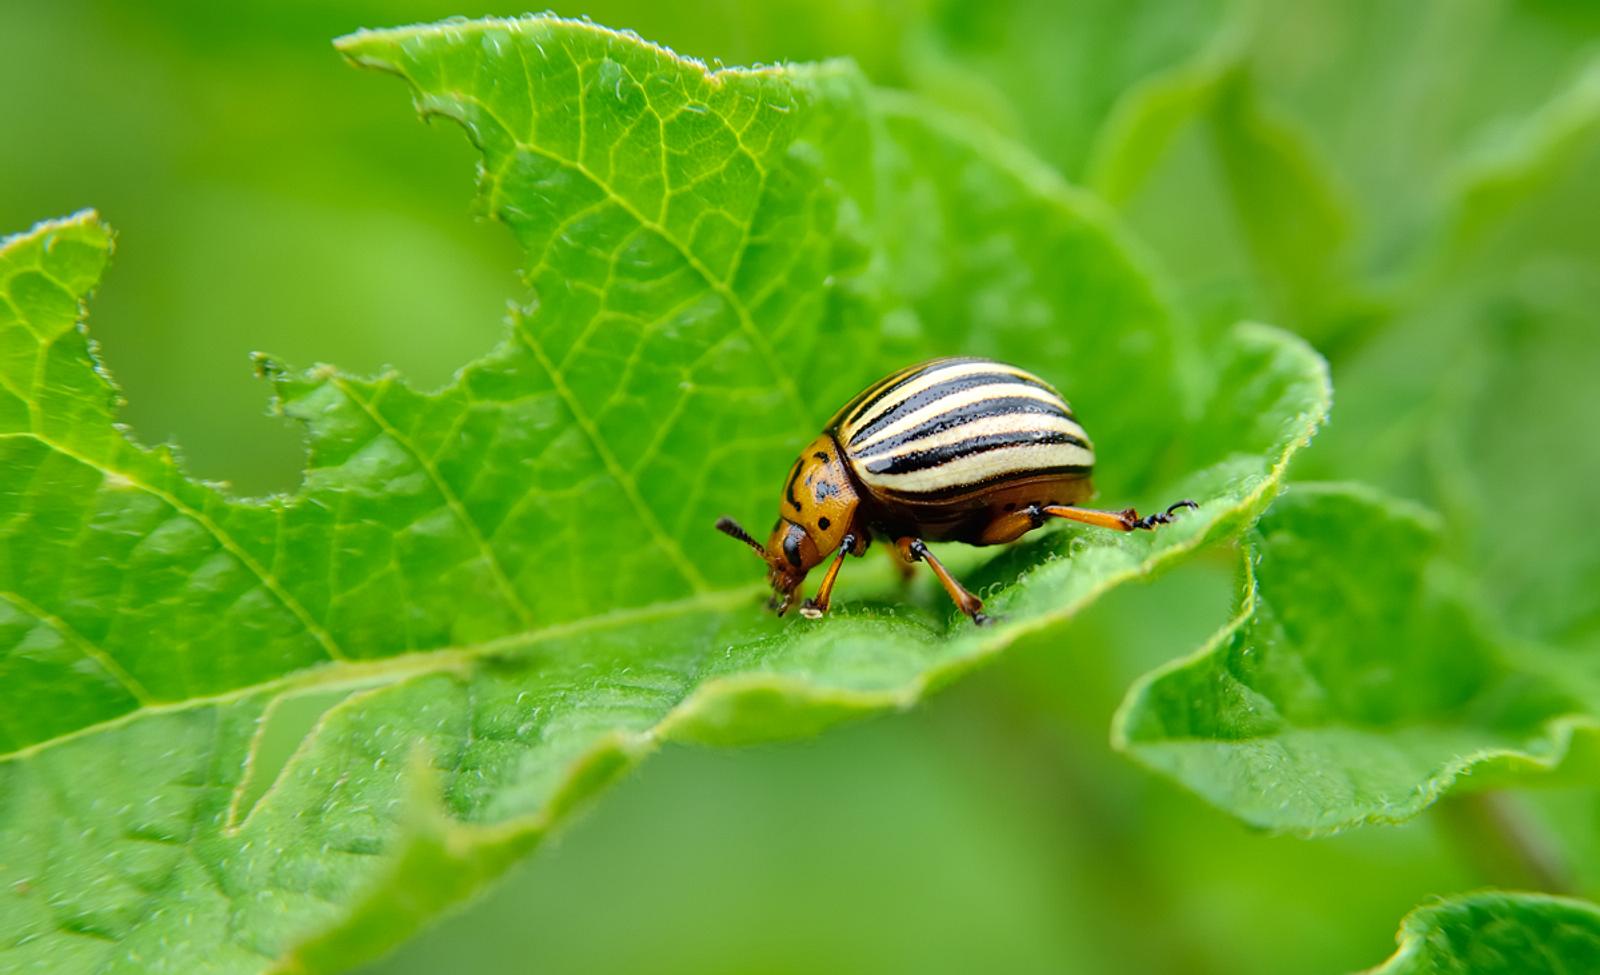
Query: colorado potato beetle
[[960, 449]]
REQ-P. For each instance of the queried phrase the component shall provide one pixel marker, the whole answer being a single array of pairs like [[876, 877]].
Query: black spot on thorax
[[788, 489]]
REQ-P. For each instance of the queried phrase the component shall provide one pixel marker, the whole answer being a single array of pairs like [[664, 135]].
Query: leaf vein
[[452, 501], [216, 531], [85, 646], [624, 481], [723, 288]]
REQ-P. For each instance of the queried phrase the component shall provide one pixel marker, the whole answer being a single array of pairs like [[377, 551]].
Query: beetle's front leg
[[914, 550], [813, 609]]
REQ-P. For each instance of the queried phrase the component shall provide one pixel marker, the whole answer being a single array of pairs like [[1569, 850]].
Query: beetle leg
[[1126, 520], [903, 565], [914, 550], [813, 609], [1012, 525]]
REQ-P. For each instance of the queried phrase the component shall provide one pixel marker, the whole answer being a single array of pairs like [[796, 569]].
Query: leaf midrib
[[393, 669]]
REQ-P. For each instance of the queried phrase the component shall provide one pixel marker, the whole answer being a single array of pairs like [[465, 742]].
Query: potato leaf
[[1358, 683], [1507, 317], [488, 600], [1054, 70], [1278, 236], [1498, 933]]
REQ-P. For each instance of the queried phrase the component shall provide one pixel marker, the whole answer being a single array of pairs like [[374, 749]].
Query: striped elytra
[[958, 427], [959, 449]]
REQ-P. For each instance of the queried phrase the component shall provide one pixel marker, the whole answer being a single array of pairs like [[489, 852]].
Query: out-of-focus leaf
[[1400, 93], [1140, 128], [1357, 683], [1498, 933], [499, 595], [1480, 398], [1059, 70], [1484, 405], [1503, 175], [1209, 148], [1292, 222], [1113, 105]]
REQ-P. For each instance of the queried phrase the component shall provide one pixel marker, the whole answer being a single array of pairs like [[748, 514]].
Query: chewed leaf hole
[[284, 728]]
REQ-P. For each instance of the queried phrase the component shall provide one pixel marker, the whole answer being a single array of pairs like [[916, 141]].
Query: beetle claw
[[1162, 518]]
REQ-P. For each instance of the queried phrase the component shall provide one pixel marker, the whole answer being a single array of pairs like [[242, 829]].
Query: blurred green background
[[1410, 185]]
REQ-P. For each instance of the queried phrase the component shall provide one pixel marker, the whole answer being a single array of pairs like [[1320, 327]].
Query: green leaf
[[1357, 683], [1058, 69], [1493, 185], [1492, 932], [1301, 163], [1401, 95], [1158, 107], [1504, 311], [1139, 130], [488, 600], [1278, 236]]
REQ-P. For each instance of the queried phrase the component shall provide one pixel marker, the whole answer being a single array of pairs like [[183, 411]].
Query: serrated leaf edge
[[1416, 927], [1560, 731]]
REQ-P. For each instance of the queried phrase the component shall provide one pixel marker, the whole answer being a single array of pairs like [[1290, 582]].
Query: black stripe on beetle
[[977, 488], [874, 394], [998, 406], [788, 489], [921, 460], [938, 391]]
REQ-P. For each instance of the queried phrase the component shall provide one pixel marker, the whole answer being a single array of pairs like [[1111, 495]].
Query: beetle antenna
[[729, 527]]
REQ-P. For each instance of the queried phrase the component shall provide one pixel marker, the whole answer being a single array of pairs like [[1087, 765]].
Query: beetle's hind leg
[[913, 550], [1126, 520], [1015, 524]]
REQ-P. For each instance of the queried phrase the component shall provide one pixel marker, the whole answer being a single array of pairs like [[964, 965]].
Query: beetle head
[[789, 555], [815, 513]]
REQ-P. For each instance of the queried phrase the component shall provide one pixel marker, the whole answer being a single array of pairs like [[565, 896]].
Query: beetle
[[955, 449]]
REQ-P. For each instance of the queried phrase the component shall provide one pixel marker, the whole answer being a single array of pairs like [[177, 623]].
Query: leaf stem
[[1503, 843]]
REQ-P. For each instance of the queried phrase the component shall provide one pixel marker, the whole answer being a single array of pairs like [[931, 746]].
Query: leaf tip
[[85, 226]]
